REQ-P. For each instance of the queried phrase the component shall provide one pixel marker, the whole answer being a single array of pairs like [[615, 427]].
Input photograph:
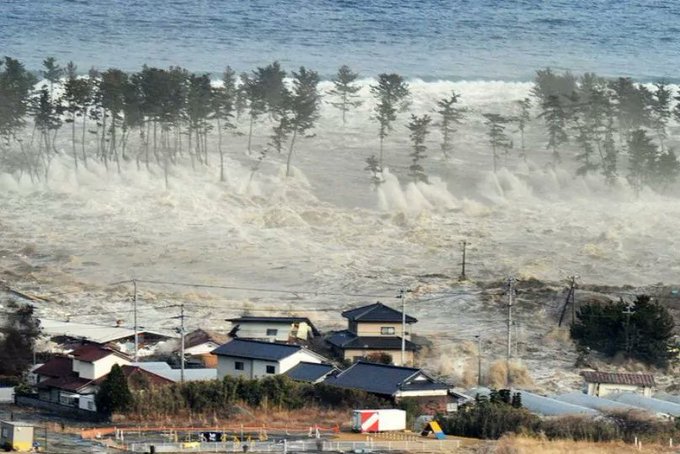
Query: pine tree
[[303, 105], [642, 161], [16, 85], [255, 100], [52, 73], [418, 130], [450, 117], [373, 166], [223, 104], [46, 119], [610, 152], [76, 97], [392, 94], [667, 169], [498, 139], [555, 119], [114, 394], [198, 104], [112, 87], [661, 111], [345, 90]]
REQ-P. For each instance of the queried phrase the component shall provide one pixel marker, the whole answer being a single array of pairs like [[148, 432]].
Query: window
[[271, 369], [90, 405], [238, 365], [272, 332], [387, 330]]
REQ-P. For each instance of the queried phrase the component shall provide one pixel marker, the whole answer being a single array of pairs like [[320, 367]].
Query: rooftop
[[384, 379], [59, 366], [100, 334], [310, 372], [242, 348], [201, 336], [619, 378], [377, 312], [92, 352]]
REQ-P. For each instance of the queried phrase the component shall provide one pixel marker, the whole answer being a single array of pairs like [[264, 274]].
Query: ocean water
[[428, 39]]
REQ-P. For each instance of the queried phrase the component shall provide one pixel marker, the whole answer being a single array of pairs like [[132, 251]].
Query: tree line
[[160, 116]]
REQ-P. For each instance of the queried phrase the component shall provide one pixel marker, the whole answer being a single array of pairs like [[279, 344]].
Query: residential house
[[397, 383], [372, 330], [18, 436], [601, 384], [71, 335], [255, 359], [73, 380], [311, 372], [199, 344], [273, 329]]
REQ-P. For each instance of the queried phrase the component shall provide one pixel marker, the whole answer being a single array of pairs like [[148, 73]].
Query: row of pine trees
[[172, 112]]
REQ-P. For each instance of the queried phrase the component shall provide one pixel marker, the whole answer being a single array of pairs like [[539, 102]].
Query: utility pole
[[181, 333], [479, 360], [134, 302], [402, 295], [628, 312], [511, 294], [572, 286], [464, 244]]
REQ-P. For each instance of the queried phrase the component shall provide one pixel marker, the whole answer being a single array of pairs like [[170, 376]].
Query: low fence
[[424, 446]]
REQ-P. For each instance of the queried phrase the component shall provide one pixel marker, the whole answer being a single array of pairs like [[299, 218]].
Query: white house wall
[[226, 365], [259, 331], [603, 389], [296, 358], [99, 368]]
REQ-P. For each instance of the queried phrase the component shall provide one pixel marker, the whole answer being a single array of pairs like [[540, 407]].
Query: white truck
[[385, 420]]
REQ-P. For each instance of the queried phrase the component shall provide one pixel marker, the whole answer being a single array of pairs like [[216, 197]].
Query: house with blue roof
[[397, 383], [255, 359], [311, 372], [374, 329]]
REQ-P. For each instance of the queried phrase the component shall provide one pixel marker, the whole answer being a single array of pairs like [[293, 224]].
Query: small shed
[[18, 435], [601, 384]]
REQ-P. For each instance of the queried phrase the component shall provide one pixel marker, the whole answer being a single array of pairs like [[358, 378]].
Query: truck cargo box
[[378, 420]]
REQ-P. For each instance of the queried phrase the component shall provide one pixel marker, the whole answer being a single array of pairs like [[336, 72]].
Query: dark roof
[[243, 348], [309, 372], [69, 383], [291, 320], [618, 378], [377, 312], [93, 352], [201, 336], [59, 366], [347, 340], [382, 379]]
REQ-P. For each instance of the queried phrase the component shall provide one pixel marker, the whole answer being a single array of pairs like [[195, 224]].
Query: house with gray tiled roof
[[311, 372], [397, 383], [255, 359], [374, 329]]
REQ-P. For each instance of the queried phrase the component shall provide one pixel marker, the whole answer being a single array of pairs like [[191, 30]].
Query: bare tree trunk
[[219, 148], [290, 152], [84, 132], [250, 132], [73, 141]]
